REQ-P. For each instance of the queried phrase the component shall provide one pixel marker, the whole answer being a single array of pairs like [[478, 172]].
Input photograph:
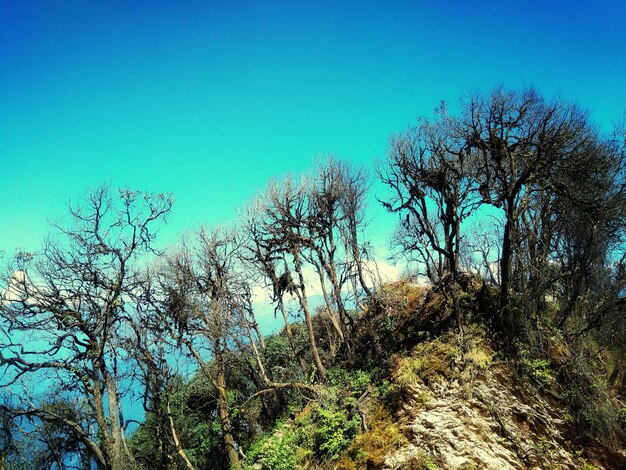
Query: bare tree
[[64, 311], [284, 210], [337, 193], [324, 218], [516, 139], [481, 251], [589, 235], [260, 254], [433, 191], [198, 307], [354, 187], [205, 303], [151, 348]]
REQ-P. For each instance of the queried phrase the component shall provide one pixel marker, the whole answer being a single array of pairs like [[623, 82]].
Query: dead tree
[[74, 297], [153, 350], [517, 138], [284, 212], [262, 256], [198, 315], [428, 171]]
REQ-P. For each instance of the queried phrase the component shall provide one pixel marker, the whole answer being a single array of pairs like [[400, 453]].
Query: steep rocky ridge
[[446, 399]]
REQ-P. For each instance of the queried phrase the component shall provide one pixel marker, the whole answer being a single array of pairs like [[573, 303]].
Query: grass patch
[[446, 357], [370, 449]]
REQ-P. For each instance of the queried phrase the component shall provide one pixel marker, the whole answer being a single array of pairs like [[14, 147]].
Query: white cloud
[[380, 271], [14, 288]]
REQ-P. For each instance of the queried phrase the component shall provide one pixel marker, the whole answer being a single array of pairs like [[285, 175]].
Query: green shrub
[[353, 383], [276, 451], [539, 369], [325, 429], [387, 391], [334, 433], [279, 454]]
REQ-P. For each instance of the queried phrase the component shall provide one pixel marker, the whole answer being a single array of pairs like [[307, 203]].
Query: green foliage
[[532, 365], [466, 301], [543, 445], [275, 451], [279, 358], [334, 432], [196, 424], [326, 430], [321, 431], [352, 383], [596, 412], [328, 426], [387, 391], [539, 369]]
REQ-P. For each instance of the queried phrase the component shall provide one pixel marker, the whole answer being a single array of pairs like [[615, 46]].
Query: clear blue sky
[[208, 100]]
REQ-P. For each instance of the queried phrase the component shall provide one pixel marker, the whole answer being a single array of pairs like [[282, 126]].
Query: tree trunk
[[353, 279], [343, 315], [301, 292], [224, 415], [505, 263], [179, 447], [100, 417], [331, 270], [263, 373], [116, 458], [356, 255], [289, 332], [329, 306], [257, 330], [219, 383]]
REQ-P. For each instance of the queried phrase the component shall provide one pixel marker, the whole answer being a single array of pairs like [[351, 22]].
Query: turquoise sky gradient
[[208, 100]]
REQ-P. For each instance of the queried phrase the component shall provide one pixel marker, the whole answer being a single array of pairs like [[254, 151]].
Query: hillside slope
[[439, 399]]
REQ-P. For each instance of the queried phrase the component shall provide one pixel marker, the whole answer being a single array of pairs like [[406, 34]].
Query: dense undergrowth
[[406, 335]]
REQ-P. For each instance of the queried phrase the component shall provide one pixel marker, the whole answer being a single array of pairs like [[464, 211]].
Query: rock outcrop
[[493, 423]]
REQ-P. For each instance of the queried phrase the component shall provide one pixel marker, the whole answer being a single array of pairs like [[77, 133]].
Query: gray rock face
[[490, 424]]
